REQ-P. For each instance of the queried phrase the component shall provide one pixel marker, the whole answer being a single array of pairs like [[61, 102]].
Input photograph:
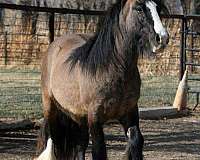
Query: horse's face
[[142, 17]]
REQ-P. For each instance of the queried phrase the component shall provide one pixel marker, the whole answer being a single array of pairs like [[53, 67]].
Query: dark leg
[[98, 144], [44, 130], [135, 139], [97, 135], [43, 137], [84, 139], [69, 138], [66, 135]]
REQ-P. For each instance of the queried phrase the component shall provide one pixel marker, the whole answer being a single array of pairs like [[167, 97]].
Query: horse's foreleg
[[98, 144], [97, 135], [135, 139], [84, 139]]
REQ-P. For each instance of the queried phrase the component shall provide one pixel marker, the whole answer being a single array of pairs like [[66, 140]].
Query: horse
[[88, 80]]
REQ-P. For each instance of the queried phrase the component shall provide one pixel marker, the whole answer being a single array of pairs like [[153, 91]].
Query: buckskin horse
[[88, 80]]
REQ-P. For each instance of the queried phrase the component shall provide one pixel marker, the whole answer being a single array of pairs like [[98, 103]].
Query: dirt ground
[[168, 139]]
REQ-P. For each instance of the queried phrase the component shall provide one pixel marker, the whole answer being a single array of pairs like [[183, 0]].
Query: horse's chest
[[118, 97]]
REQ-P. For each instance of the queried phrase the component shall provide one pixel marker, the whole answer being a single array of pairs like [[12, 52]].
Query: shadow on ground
[[164, 139]]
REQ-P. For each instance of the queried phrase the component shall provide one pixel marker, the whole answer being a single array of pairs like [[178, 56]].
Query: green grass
[[158, 91], [20, 93]]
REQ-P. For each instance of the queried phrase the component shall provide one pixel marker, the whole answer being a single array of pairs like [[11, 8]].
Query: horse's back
[[60, 49]]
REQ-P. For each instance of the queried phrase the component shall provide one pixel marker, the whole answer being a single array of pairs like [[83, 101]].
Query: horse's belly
[[67, 94]]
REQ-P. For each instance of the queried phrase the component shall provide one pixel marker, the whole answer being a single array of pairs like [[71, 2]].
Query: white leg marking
[[48, 153], [158, 26]]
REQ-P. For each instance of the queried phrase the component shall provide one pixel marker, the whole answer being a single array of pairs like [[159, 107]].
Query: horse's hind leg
[[44, 130], [45, 134], [69, 139], [43, 137], [134, 148]]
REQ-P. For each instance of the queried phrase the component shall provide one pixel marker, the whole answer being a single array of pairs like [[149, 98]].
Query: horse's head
[[141, 17]]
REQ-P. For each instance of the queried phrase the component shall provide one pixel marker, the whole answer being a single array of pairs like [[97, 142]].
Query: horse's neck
[[127, 49]]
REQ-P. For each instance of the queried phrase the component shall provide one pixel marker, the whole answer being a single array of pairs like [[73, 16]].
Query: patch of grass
[[158, 91], [20, 93]]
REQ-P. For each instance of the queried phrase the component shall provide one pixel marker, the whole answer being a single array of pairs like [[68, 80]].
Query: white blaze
[[158, 27]]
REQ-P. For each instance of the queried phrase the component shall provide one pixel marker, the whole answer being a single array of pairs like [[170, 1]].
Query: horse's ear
[[123, 2], [140, 1]]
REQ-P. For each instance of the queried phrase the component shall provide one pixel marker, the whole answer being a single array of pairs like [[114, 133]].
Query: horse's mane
[[99, 52]]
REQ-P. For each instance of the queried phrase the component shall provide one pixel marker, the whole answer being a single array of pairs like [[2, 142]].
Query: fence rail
[[50, 10]]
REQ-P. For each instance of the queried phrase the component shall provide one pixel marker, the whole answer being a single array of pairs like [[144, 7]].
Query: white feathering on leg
[[48, 153]]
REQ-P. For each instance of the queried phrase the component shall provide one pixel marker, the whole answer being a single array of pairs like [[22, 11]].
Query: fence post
[[192, 52], [181, 71], [5, 49], [51, 26]]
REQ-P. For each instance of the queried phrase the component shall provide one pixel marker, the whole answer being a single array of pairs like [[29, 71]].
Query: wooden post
[[192, 52], [5, 49], [51, 27]]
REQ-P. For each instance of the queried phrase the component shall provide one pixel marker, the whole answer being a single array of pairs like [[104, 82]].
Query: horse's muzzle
[[165, 39], [162, 41]]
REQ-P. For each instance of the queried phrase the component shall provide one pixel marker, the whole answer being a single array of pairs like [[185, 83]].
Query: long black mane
[[100, 52]]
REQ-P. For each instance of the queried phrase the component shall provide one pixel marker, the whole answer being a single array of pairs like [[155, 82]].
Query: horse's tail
[[65, 135]]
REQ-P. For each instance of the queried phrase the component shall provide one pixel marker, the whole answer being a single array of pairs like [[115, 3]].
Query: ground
[[168, 139]]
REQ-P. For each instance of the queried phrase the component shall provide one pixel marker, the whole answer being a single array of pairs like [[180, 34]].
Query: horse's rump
[[58, 82]]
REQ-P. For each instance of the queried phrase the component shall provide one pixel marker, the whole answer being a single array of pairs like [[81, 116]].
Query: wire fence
[[24, 40]]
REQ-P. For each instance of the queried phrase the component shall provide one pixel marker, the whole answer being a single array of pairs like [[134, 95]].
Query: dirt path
[[174, 139]]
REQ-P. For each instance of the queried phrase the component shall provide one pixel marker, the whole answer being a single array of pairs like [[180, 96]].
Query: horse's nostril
[[158, 38], [165, 39]]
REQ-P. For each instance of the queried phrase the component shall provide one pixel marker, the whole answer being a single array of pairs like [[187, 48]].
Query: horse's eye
[[158, 10], [139, 9]]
